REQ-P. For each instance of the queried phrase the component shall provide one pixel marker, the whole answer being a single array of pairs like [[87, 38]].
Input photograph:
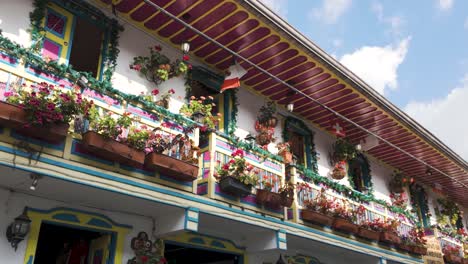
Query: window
[[359, 173], [419, 200], [72, 39], [300, 138]]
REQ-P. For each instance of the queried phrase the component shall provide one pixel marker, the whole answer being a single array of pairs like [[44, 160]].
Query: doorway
[[180, 254], [61, 244]]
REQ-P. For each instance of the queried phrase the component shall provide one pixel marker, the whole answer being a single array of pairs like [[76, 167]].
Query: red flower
[[155, 92], [171, 91], [157, 48], [186, 57], [144, 259], [136, 67]]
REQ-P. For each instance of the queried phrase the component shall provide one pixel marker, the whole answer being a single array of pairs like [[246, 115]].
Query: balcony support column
[[181, 221]]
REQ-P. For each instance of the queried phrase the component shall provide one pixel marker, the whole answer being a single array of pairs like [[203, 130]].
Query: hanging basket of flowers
[[237, 176], [399, 182], [284, 150], [265, 134], [266, 116], [42, 111], [339, 170], [343, 150]]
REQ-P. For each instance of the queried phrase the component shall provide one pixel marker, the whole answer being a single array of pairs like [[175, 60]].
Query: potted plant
[[418, 241], [162, 149], [345, 217], [266, 115], [319, 210], [200, 110], [265, 194], [399, 181], [107, 139], [42, 111], [157, 68], [406, 244], [284, 150], [388, 233], [339, 170], [265, 134], [287, 194], [161, 100], [452, 254], [371, 229], [343, 150], [237, 176]]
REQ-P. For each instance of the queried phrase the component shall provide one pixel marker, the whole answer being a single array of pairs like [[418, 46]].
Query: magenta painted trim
[[102, 98], [202, 188]]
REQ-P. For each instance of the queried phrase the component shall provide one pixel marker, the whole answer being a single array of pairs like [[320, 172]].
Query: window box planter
[[268, 199], [368, 234], [454, 259], [390, 237], [112, 150], [405, 247], [419, 250], [316, 217], [14, 117], [168, 166], [234, 186], [345, 226]]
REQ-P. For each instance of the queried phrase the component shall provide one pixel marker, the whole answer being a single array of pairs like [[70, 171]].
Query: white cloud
[[330, 11], [445, 5], [378, 65], [444, 117], [280, 7], [395, 22]]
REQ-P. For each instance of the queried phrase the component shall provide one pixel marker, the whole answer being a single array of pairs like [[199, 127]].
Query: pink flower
[[155, 92], [172, 91], [51, 106], [185, 57], [7, 94]]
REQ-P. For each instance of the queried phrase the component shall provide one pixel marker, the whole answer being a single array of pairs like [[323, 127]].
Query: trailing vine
[[311, 153], [36, 17], [232, 127]]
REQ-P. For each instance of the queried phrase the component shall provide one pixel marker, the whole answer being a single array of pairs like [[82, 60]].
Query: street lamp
[[17, 230]]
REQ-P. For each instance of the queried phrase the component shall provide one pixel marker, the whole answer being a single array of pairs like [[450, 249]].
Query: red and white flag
[[233, 79], [337, 128]]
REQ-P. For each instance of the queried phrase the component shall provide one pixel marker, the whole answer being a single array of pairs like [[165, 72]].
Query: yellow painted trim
[[37, 218]]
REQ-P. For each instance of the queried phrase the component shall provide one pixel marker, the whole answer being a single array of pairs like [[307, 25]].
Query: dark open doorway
[[65, 245], [177, 254]]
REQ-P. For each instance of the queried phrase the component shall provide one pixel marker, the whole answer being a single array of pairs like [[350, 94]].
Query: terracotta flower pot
[[234, 186], [454, 259], [316, 217], [368, 234], [14, 117], [172, 167], [345, 226], [112, 150], [268, 199], [405, 247], [390, 237], [419, 250], [287, 156]]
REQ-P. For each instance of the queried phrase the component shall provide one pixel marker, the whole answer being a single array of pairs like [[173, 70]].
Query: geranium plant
[[46, 104], [200, 109], [321, 203], [138, 137], [265, 134], [399, 199], [109, 126], [269, 183], [376, 224], [238, 168], [158, 68], [158, 98]]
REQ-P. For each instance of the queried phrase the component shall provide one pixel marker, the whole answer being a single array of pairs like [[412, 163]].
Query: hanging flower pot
[[14, 117], [368, 234], [263, 138], [345, 225], [268, 199], [287, 199], [287, 156], [271, 121], [390, 238], [198, 116], [233, 186], [113, 150], [339, 170], [171, 167], [316, 217]]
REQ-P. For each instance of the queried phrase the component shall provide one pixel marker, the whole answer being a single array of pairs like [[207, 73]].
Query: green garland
[[308, 135], [36, 17], [103, 87], [232, 127], [349, 192]]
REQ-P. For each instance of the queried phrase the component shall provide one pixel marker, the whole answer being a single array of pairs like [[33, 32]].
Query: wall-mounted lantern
[[185, 47], [18, 230]]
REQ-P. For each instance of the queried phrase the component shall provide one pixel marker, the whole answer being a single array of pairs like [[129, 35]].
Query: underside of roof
[[254, 32]]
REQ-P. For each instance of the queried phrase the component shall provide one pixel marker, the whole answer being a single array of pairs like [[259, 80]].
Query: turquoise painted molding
[[197, 199]]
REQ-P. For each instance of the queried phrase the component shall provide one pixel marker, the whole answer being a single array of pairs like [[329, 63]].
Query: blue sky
[[414, 52]]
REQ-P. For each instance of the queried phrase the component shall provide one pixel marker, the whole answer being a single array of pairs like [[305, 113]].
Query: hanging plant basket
[[16, 118], [233, 186], [287, 156], [390, 238], [419, 250], [113, 150], [368, 234], [270, 122], [168, 166], [345, 226], [316, 217], [268, 199], [263, 139], [395, 187], [286, 200], [339, 171], [454, 259]]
